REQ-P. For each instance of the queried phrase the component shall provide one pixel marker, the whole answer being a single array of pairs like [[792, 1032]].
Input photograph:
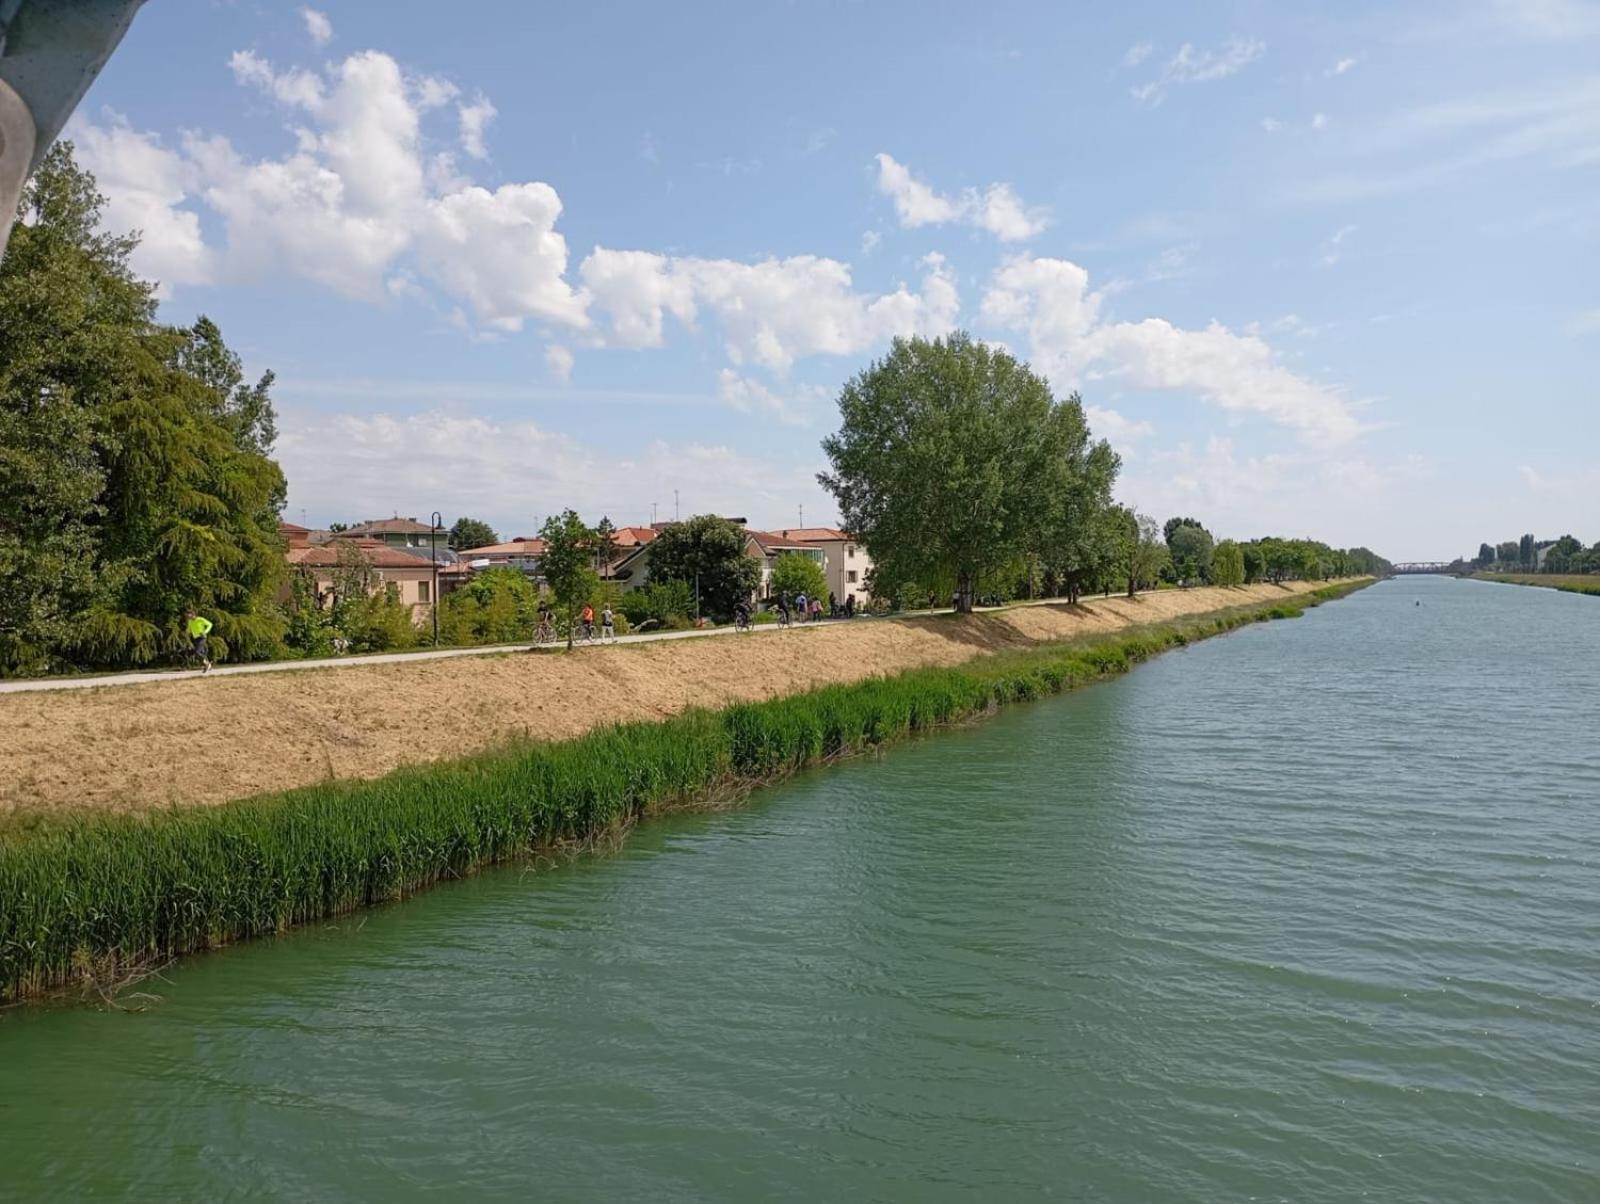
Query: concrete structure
[[50, 52]]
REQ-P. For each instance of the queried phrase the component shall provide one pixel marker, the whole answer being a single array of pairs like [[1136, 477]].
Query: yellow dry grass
[[209, 740]]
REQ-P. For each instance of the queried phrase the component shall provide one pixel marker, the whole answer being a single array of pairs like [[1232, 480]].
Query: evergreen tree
[[134, 471]]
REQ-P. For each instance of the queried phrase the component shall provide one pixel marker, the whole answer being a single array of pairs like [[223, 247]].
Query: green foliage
[[134, 470], [130, 891], [795, 573], [1227, 564], [1190, 547], [566, 567], [380, 622], [953, 460], [707, 551], [661, 601], [497, 606], [471, 533], [309, 631], [605, 545]]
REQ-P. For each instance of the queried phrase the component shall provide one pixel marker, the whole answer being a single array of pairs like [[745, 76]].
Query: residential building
[[521, 550], [767, 546], [409, 573], [397, 532], [845, 560]]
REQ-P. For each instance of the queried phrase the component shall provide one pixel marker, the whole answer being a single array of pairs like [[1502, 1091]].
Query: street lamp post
[[433, 556]]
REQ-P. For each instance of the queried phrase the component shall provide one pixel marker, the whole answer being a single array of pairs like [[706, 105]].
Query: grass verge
[[1566, 583], [96, 898]]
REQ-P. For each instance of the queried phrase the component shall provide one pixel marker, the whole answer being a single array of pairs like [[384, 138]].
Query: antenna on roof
[[652, 514], [802, 516], [675, 515]]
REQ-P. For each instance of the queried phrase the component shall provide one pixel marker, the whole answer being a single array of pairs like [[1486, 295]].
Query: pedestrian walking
[[198, 628], [608, 625]]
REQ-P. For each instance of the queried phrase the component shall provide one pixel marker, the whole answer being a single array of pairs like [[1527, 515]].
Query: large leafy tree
[[134, 471], [706, 553], [1191, 549], [1079, 540], [1227, 564], [471, 533], [794, 574], [950, 460], [566, 564]]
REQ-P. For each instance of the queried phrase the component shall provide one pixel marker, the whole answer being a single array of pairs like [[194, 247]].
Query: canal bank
[[97, 898], [217, 739]]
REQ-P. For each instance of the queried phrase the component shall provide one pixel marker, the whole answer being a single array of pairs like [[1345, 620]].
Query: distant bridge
[[1412, 567]]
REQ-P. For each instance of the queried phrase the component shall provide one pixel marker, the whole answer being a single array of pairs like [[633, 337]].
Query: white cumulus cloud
[[1049, 300], [475, 119], [318, 26], [148, 187], [997, 208], [770, 312], [558, 360]]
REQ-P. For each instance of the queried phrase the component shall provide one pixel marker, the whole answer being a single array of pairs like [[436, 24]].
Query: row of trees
[[1565, 555], [965, 477]]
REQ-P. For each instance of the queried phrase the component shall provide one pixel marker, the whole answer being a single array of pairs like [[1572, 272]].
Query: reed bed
[[95, 897]]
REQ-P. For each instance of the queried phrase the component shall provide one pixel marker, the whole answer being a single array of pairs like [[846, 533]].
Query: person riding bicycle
[[588, 621], [741, 616], [783, 609]]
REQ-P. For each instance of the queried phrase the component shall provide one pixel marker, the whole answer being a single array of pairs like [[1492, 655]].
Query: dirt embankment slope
[[210, 740]]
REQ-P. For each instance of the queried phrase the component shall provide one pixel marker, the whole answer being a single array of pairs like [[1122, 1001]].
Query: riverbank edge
[[1588, 589], [90, 903]]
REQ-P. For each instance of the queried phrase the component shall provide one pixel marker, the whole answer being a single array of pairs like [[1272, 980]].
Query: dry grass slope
[[208, 741]]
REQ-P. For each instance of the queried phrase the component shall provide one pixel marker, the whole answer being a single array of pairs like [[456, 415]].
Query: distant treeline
[[1530, 555]]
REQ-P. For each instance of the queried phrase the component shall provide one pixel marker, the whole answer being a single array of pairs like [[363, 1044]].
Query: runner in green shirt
[[198, 627]]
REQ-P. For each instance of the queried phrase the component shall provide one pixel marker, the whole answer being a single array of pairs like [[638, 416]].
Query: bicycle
[[742, 621], [546, 633]]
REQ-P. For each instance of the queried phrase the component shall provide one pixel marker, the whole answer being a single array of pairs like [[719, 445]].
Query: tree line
[[967, 479], [1529, 555]]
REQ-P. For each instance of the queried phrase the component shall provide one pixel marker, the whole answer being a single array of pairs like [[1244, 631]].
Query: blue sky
[[1316, 270]]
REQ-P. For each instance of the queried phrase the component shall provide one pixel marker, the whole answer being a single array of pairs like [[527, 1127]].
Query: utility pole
[[676, 516], [433, 555], [802, 516]]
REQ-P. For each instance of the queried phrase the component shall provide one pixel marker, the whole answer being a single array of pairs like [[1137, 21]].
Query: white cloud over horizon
[[997, 208], [510, 473]]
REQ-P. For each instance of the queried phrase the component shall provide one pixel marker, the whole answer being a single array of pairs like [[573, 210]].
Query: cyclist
[[588, 623], [741, 617], [783, 610]]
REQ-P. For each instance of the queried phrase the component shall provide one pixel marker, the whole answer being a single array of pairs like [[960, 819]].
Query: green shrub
[[662, 601]]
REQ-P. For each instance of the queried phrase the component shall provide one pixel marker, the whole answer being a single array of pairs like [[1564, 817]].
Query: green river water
[[1308, 912]]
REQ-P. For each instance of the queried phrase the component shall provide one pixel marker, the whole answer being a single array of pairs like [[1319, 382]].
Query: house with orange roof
[[845, 560]]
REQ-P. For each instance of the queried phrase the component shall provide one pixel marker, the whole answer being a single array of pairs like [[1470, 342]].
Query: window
[[850, 577], [850, 551], [422, 590]]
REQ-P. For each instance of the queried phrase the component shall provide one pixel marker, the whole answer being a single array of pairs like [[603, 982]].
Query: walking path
[[31, 685]]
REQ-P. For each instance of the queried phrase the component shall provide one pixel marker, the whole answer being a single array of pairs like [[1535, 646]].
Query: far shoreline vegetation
[[91, 902], [137, 481]]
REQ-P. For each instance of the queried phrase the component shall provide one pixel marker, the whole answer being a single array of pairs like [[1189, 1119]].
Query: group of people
[[806, 609]]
